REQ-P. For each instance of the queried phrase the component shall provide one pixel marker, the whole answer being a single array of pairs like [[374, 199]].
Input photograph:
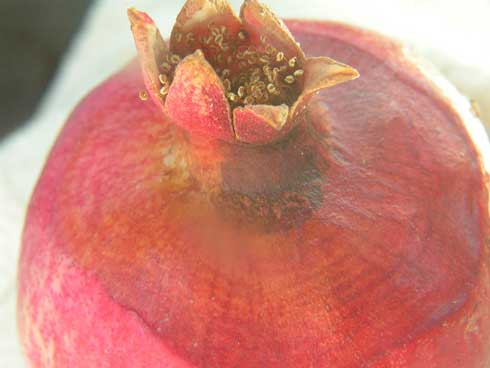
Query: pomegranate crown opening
[[231, 78]]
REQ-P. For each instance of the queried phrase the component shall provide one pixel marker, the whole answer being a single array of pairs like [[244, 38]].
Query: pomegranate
[[219, 206]]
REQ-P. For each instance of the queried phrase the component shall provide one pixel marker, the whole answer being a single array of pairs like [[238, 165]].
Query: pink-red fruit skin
[[361, 240]]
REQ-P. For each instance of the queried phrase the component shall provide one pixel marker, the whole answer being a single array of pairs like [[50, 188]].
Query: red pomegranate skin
[[359, 241]]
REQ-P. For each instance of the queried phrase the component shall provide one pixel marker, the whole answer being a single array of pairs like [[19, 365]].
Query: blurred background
[[53, 52], [33, 37]]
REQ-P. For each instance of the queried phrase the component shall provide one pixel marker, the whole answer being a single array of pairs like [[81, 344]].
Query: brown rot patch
[[274, 187]]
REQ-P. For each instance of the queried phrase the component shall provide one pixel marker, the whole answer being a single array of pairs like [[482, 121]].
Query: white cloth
[[452, 34]]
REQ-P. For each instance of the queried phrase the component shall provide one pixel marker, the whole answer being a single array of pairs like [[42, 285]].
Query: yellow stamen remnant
[[165, 84], [250, 73], [189, 38], [264, 74], [242, 36], [227, 84], [163, 79], [241, 91], [249, 100], [174, 59], [225, 73], [232, 97], [233, 70], [164, 90], [143, 95], [166, 67], [298, 72]]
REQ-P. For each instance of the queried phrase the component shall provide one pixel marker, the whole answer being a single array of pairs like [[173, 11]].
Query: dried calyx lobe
[[231, 78]]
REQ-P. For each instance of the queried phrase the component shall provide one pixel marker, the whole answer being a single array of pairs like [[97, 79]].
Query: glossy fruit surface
[[360, 240]]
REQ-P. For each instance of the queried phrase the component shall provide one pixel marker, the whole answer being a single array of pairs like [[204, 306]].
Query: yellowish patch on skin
[[181, 164], [472, 323], [34, 340]]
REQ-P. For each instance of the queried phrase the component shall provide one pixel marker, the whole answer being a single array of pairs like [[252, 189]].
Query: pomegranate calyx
[[251, 77], [259, 124], [151, 48], [321, 73], [209, 113]]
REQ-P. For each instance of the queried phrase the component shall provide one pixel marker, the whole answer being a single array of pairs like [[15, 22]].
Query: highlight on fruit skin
[[233, 78]]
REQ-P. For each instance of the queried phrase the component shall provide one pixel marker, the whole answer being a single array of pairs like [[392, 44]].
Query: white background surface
[[453, 34]]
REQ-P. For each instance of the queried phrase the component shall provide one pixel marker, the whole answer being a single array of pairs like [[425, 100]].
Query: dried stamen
[[232, 97], [250, 73], [174, 59], [164, 90], [225, 73], [143, 95], [166, 67], [189, 37], [298, 72], [227, 84], [249, 100], [241, 91], [242, 36]]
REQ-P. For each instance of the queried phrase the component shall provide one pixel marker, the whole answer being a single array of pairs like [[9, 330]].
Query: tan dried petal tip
[[228, 77]]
